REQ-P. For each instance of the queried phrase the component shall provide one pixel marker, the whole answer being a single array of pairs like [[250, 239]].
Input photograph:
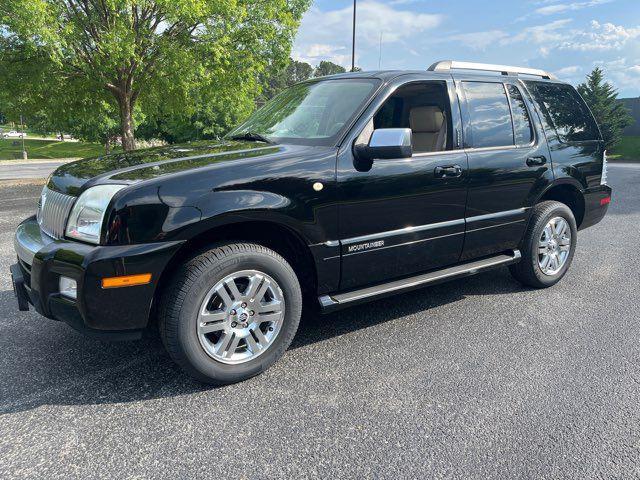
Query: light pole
[[353, 41], [24, 152]]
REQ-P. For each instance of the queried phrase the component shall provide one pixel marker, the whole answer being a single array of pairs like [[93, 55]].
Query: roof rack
[[447, 65]]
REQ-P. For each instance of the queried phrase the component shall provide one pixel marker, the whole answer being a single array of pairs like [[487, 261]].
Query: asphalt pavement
[[31, 169], [478, 378]]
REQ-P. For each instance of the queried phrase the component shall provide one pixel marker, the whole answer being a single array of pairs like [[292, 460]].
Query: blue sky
[[566, 37]]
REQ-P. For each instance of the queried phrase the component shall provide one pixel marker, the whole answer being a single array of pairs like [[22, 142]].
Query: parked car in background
[[14, 134], [340, 190], [62, 137]]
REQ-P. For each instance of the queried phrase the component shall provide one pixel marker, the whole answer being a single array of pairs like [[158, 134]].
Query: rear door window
[[564, 112], [489, 114], [522, 128]]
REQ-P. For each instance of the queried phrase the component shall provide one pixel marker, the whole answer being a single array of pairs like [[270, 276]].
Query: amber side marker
[[126, 280]]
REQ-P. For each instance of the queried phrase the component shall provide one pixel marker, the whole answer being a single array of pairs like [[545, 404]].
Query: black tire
[[528, 271], [181, 300]]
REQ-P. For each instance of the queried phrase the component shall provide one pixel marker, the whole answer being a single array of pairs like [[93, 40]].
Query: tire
[[185, 334], [529, 271]]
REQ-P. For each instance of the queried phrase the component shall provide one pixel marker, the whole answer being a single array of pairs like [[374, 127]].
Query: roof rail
[[447, 65]]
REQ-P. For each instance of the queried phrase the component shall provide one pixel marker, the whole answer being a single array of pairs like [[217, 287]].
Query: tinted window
[[521, 121], [489, 114], [564, 111]]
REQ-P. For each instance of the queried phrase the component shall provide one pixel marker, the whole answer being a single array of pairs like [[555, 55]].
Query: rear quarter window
[[564, 112]]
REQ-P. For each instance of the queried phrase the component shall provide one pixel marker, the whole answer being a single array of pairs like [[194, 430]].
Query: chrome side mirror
[[386, 143]]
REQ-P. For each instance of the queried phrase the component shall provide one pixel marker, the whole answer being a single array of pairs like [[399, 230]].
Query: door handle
[[536, 161], [450, 171]]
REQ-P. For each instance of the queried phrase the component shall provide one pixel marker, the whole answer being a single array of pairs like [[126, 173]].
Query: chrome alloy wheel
[[240, 317], [554, 246]]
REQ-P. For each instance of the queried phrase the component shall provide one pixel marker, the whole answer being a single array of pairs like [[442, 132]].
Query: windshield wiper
[[252, 137]]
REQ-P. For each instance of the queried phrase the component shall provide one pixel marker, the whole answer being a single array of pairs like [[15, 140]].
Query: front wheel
[[548, 245], [230, 312]]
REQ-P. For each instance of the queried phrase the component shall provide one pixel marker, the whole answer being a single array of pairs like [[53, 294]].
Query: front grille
[[53, 211]]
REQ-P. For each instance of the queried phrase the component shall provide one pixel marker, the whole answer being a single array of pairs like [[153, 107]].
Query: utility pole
[[380, 55], [353, 42]]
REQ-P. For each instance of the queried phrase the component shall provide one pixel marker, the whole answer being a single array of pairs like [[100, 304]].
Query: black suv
[[339, 190]]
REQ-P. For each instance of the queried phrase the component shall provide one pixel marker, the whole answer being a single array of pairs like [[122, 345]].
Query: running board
[[339, 300]]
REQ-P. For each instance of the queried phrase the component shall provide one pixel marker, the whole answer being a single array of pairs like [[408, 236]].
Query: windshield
[[312, 113]]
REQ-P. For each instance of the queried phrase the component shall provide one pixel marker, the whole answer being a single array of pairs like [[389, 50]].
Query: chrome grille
[[53, 211]]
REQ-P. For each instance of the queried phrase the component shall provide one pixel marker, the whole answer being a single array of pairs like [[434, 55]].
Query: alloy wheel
[[554, 246], [240, 317]]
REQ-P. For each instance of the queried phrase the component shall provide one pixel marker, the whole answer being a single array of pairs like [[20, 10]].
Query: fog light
[[68, 287]]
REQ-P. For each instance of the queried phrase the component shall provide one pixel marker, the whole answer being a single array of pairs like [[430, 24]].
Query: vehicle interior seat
[[429, 129]]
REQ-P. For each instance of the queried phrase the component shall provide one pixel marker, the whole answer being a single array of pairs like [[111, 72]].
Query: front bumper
[[113, 312]]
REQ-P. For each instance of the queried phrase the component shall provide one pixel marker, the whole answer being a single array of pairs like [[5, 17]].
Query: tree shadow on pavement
[[47, 363]]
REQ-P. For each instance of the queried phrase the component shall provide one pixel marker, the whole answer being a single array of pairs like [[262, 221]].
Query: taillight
[[603, 178]]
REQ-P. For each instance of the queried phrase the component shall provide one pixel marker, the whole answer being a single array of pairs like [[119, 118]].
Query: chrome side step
[[339, 300]]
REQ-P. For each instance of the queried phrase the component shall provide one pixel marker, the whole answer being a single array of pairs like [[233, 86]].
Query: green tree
[[611, 115], [150, 58], [277, 79], [328, 68]]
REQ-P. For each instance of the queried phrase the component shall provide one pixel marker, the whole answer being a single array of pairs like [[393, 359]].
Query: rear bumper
[[114, 312], [596, 204]]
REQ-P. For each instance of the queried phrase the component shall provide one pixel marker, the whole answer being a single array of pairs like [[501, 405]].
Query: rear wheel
[[230, 312], [548, 246]]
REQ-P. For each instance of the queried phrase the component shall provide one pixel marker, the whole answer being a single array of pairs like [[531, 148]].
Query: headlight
[[85, 220]]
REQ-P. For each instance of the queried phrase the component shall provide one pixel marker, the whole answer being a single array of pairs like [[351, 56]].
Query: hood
[[150, 163]]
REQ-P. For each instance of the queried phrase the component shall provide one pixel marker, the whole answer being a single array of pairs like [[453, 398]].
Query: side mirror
[[386, 143]]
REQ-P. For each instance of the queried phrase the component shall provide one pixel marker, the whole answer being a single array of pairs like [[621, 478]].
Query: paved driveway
[[33, 169], [479, 378]]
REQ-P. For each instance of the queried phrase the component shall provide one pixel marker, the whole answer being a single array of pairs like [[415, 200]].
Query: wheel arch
[[277, 236], [570, 193]]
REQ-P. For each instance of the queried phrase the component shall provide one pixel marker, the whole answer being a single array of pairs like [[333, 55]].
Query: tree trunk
[[126, 121], [107, 146]]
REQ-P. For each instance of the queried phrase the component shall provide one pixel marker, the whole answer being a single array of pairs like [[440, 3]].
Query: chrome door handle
[[450, 171], [536, 161]]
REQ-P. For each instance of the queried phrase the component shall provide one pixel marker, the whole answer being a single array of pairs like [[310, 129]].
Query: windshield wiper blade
[[252, 137]]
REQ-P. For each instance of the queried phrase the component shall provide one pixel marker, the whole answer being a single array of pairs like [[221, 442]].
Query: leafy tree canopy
[[611, 115], [83, 61], [328, 68]]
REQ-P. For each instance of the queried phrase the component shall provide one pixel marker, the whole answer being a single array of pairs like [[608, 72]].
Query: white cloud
[[621, 73], [564, 7], [572, 73], [332, 30], [601, 36], [568, 71], [479, 40], [542, 34]]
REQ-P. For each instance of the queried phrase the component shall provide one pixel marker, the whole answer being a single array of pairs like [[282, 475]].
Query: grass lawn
[[627, 150], [48, 149]]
